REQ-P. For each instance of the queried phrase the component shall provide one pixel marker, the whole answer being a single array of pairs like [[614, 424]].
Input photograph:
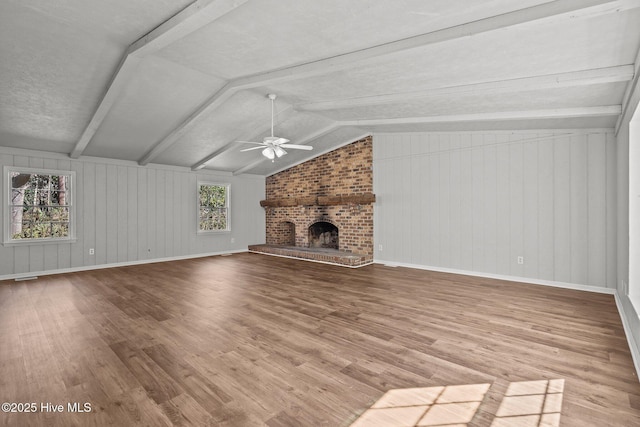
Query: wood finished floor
[[253, 340]]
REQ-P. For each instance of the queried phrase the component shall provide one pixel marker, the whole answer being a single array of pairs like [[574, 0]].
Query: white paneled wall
[[129, 213], [477, 201]]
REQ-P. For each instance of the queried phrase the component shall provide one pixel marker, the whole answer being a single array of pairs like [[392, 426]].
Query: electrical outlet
[[520, 260], [92, 251], [380, 247], [233, 240]]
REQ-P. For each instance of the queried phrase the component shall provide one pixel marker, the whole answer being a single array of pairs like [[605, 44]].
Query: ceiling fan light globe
[[279, 151], [269, 153]]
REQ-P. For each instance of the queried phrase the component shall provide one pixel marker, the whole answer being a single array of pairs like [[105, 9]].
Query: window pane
[[60, 229], [23, 232], [59, 214], [213, 195]]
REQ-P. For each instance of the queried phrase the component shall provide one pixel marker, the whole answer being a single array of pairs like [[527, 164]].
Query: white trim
[[564, 285], [311, 260], [114, 265], [633, 345], [505, 131]]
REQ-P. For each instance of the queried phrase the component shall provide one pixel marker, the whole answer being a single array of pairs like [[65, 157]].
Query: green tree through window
[[39, 205], [213, 201]]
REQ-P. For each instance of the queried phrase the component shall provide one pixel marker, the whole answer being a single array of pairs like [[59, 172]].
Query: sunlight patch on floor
[[525, 404]]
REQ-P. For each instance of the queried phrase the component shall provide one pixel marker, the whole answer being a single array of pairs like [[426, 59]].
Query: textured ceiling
[[178, 82]]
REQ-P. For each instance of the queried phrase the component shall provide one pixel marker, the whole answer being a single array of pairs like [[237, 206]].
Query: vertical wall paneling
[[596, 210], [101, 214], [503, 212], [477, 201], [143, 216], [489, 211], [444, 223], [419, 214], [516, 205], [111, 207], [477, 198], [579, 211], [132, 214], [433, 211], [150, 220], [455, 191], [466, 203], [545, 209], [175, 207], [89, 214], [161, 213], [128, 213], [531, 232], [562, 210], [123, 206]]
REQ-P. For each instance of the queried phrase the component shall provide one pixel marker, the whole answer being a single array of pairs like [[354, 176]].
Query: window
[[213, 207], [38, 205]]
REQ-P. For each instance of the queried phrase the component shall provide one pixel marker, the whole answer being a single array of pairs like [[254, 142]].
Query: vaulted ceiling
[[178, 82]]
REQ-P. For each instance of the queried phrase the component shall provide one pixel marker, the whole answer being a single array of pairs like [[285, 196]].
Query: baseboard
[[31, 274], [565, 285], [633, 345]]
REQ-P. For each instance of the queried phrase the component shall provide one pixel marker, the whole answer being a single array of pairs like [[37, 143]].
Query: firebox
[[323, 234]]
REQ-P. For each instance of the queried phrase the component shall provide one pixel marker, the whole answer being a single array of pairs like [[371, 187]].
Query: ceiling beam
[[281, 116], [193, 17], [628, 95], [616, 74], [551, 11], [555, 113]]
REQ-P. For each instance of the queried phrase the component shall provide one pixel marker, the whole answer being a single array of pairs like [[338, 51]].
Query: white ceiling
[[177, 82]]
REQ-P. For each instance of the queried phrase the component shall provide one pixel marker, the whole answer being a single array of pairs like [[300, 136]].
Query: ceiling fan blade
[[253, 148], [297, 147], [251, 142]]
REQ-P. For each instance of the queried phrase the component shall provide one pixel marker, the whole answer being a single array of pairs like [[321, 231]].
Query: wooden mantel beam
[[345, 199]]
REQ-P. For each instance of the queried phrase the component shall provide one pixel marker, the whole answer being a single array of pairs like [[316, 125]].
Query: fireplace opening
[[323, 235]]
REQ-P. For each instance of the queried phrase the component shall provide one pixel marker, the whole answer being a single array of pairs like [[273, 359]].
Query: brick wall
[[347, 170]]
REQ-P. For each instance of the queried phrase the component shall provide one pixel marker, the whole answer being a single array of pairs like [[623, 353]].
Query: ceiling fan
[[273, 146]]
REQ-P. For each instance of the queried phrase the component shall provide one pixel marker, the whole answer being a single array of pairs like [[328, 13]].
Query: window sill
[[37, 242], [205, 232]]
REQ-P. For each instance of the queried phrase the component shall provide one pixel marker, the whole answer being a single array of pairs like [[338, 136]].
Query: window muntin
[[38, 205], [213, 207]]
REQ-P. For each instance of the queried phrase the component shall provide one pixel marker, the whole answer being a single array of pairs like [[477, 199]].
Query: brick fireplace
[[322, 209]]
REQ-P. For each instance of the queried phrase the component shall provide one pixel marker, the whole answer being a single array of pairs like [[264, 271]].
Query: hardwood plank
[[253, 340]]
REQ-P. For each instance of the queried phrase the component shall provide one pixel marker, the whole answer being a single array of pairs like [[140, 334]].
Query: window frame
[[227, 206], [7, 239]]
